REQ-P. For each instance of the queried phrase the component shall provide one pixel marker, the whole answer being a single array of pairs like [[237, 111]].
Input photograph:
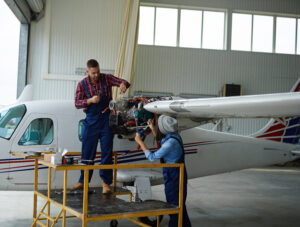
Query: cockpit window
[[10, 119], [39, 132]]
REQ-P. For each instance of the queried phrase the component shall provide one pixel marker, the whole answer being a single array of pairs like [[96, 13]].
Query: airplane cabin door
[[38, 133]]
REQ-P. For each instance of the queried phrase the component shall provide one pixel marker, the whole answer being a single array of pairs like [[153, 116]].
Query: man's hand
[[122, 88], [94, 99]]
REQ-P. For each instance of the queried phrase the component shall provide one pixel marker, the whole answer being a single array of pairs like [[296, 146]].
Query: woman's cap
[[167, 124]]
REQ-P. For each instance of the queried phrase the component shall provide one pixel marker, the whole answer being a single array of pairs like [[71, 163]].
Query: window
[[285, 35], [146, 25], [241, 32], [80, 129], [262, 33], [190, 28], [213, 30], [39, 132], [265, 33], [166, 27], [174, 27], [10, 119]]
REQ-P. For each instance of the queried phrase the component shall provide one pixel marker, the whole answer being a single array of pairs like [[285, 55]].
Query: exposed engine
[[127, 116]]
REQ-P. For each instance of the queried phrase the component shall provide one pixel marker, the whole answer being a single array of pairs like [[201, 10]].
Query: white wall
[[79, 30], [92, 29]]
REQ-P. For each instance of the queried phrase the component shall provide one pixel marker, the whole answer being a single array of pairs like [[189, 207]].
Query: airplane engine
[[128, 115]]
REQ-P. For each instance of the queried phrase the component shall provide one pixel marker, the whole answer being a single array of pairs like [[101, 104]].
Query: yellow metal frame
[[84, 215]]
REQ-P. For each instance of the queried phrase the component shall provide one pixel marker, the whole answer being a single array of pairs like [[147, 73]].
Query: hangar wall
[[202, 71], [80, 30]]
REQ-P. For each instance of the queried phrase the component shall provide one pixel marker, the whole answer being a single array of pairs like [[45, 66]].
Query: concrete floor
[[255, 197]]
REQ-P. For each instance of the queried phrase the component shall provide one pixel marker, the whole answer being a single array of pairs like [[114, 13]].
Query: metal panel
[[79, 30], [82, 30], [20, 9], [23, 57]]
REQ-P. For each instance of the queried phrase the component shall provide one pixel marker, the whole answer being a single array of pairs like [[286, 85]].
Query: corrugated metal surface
[[206, 71], [80, 30]]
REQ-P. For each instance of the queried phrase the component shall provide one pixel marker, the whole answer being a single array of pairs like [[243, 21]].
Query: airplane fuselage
[[207, 152]]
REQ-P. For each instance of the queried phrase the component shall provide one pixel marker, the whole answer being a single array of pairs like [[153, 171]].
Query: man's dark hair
[[92, 63]]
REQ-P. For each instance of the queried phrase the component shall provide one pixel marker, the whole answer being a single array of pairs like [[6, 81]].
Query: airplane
[[46, 125]]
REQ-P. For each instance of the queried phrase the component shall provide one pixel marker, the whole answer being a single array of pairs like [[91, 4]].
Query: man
[[93, 94]]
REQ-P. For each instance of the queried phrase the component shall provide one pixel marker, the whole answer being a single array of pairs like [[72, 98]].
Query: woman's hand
[[150, 124], [138, 138]]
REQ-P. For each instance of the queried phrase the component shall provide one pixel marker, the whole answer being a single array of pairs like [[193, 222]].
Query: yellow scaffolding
[[84, 216]]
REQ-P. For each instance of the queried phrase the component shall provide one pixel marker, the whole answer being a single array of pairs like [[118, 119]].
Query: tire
[[151, 221], [113, 223]]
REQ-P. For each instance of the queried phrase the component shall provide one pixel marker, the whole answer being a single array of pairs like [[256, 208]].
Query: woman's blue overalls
[[96, 126], [171, 180]]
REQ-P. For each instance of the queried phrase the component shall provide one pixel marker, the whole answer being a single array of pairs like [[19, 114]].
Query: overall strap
[[86, 89], [181, 159], [179, 141], [181, 144], [103, 84]]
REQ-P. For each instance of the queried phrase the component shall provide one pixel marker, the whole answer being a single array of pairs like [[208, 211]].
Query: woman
[[171, 151]]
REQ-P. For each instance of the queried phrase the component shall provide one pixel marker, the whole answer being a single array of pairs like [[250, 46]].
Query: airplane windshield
[[10, 119]]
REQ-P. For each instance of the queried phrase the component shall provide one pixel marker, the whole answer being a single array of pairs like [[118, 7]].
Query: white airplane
[[48, 125]]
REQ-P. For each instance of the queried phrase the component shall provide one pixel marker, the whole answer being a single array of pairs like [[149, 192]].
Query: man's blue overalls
[[171, 180], [96, 126]]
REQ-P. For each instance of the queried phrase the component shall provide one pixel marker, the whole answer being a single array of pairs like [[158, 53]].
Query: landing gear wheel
[[152, 220], [113, 223]]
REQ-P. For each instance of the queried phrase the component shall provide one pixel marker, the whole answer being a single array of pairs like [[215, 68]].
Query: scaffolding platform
[[103, 205], [90, 204]]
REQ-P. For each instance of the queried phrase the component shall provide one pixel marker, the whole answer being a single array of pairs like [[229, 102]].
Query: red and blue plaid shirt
[[96, 89]]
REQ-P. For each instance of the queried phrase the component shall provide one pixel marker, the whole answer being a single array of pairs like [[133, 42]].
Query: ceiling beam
[[21, 10]]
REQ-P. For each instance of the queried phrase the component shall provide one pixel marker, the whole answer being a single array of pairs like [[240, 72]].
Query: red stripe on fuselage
[[297, 88], [275, 139], [278, 133], [17, 167], [7, 162], [274, 127]]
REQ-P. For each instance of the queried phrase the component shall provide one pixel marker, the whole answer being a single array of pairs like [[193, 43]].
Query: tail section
[[285, 130]]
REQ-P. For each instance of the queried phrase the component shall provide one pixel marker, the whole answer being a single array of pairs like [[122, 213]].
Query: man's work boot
[[105, 188], [77, 186]]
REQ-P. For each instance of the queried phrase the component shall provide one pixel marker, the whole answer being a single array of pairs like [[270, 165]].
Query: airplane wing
[[130, 114], [251, 106]]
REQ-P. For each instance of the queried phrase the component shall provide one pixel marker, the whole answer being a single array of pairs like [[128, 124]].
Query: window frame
[[179, 8], [274, 15]]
